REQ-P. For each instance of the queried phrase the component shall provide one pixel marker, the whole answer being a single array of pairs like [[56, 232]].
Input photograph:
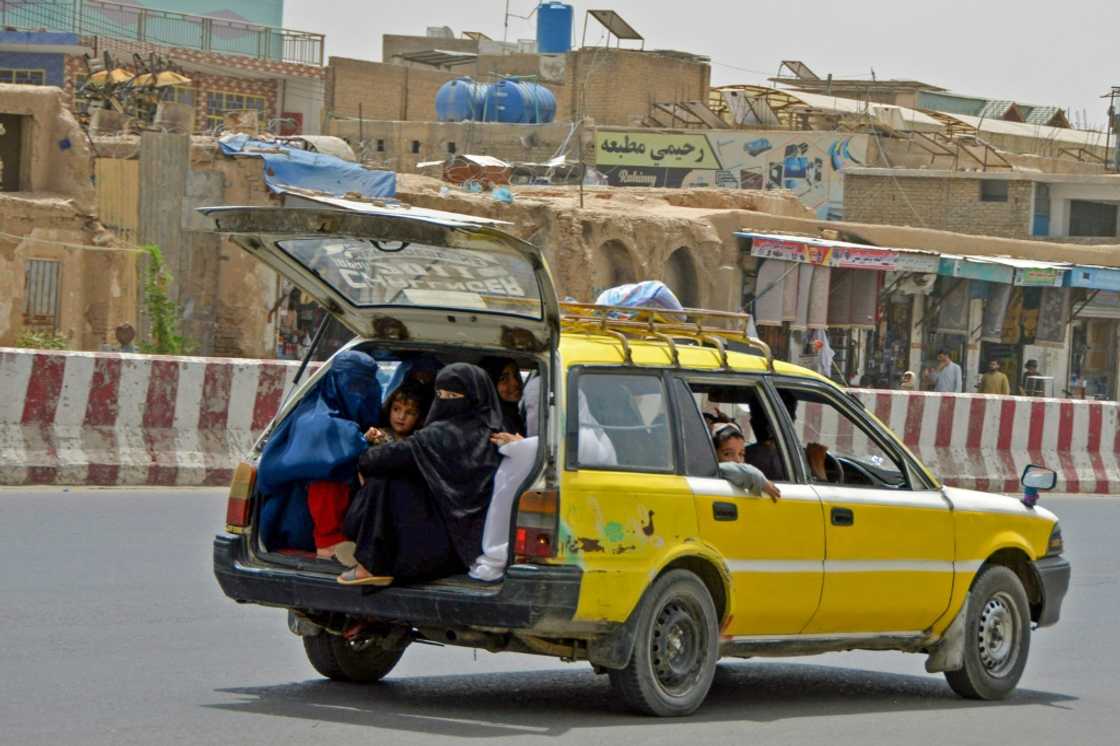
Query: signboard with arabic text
[[654, 149], [846, 257]]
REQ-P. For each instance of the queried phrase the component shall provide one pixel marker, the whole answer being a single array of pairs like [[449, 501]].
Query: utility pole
[[1112, 124]]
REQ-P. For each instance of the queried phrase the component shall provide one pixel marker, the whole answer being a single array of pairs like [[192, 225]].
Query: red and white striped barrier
[[983, 442], [112, 419], [120, 419]]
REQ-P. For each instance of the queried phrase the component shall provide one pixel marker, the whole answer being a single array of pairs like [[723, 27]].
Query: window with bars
[[23, 77], [42, 283], [220, 102], [180, 94]]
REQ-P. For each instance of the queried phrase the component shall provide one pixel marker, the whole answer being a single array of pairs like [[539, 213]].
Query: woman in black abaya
[[421, 511]]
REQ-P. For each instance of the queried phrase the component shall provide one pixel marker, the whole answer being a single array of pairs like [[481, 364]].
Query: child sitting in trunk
[[404, 410], [328, 502]]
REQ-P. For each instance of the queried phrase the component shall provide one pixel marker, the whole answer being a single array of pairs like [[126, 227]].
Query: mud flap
[[948, 653], [613, 649]]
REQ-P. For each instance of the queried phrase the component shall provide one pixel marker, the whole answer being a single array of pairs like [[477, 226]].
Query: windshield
[[371, 272]]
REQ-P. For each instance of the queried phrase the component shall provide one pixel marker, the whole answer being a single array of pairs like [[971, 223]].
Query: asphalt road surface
[[115, 632]]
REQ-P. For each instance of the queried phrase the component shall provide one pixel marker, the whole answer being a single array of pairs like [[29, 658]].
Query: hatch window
[[370, 272]]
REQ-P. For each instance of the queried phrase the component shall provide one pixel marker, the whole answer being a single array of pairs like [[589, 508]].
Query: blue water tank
[[460, 100], [513, 101], [554, 28]]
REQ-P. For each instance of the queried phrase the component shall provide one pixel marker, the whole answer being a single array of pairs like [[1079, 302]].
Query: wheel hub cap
[[676, 648], [998, 635]]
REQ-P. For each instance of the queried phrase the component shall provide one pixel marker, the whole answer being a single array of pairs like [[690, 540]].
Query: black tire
[[338, 659], [675, 650], [997, 636]]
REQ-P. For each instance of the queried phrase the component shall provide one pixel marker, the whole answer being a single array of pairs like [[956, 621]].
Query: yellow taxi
[[628, 546]]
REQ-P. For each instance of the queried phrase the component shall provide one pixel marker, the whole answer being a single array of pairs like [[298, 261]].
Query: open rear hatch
[[403, 274]]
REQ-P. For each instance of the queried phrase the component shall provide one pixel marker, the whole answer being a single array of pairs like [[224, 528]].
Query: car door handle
[[842, 517], [722, 511]]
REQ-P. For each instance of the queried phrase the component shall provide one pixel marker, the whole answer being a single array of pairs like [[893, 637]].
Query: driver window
[[838, 447]]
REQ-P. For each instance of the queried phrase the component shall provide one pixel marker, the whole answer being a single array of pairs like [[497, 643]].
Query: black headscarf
[[453, 449], [512, 420]]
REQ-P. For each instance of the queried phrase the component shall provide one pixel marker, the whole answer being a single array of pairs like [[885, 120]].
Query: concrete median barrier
[[83, 418], [984, 442]]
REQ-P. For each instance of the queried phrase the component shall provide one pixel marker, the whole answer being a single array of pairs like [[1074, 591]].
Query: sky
[[1065, 55]]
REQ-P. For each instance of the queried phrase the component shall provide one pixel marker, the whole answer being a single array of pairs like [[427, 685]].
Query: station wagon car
[[646, 563]]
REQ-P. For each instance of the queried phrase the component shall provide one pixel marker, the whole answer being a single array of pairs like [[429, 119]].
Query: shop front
[[831, 305], [1013, 311], [1095, 328], [866, 314]]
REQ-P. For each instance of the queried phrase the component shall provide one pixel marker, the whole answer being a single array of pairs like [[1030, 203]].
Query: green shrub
[[41, 339], [163, 313]]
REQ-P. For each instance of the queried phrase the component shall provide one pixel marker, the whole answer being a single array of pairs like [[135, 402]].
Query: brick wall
[[617, 87], [208, 71], [390, 144], [620, 85], [384, 92], [951, 204], [205, 84]]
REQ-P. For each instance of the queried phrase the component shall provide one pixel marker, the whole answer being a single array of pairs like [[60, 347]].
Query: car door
[[889, 560], [624, 503], [400, 273], [774, 550]]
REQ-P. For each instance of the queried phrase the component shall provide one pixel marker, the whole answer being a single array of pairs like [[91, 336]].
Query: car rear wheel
[[997, 636], [359, 661], [676, 648]]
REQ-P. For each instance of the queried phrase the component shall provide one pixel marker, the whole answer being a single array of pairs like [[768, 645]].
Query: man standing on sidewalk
[[994, 381], [947, 377]]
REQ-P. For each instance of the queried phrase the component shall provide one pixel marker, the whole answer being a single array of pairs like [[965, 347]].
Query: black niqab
[[453, 450]]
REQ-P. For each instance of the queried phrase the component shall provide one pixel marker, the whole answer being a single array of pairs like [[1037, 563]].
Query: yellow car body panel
[[903, 567]]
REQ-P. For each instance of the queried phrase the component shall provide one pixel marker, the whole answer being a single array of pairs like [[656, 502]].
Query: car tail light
[[239, 505], [538, 514]]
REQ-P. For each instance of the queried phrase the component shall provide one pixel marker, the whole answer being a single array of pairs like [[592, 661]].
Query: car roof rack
[[694, 325]]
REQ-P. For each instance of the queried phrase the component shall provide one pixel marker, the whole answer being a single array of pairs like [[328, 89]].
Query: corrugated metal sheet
[[1042, 114], [118, 195], [996, 108]]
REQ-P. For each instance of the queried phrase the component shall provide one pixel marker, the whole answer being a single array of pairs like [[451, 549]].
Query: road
[[114, 632]]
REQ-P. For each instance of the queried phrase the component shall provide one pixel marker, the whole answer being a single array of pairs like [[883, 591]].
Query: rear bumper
[[531, 597], [1053, 572]]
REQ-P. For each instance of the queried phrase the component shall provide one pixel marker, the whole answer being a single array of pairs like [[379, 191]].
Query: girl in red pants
[[328, 501]]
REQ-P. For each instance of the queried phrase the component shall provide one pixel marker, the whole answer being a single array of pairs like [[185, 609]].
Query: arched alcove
[[611, 265], [682, 278]]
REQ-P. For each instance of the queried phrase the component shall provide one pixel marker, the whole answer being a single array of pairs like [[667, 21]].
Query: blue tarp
[[291, 167]]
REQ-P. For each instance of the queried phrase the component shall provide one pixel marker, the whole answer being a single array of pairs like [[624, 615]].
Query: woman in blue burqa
[[320, 440], [422, 509]]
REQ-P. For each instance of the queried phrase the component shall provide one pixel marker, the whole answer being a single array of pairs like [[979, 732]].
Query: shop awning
[[826, 253], [1022, 272], [1094, 278]]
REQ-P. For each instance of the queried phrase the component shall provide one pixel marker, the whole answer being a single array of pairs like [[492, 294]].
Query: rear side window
[[620, 422]]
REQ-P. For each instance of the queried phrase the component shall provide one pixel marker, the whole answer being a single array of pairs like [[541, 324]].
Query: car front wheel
[[997, 636], [359, 661], [676, 648]]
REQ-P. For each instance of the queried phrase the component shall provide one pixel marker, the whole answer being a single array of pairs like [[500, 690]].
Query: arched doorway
[[682, 278], [611, 265]]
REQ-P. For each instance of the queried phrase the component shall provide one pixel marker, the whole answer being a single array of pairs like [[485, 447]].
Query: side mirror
[[1036, 478]]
